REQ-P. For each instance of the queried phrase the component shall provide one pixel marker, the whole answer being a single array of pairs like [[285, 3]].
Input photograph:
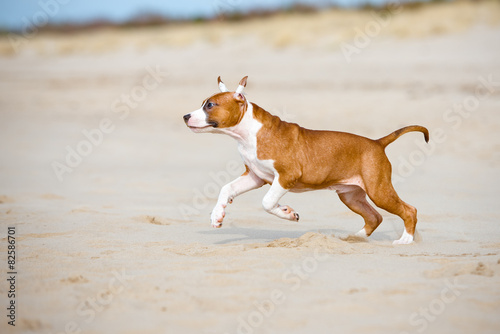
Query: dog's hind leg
[[385, 197], [378, 186], [356, 201]]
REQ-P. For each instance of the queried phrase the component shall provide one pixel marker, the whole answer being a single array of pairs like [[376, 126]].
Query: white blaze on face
[[198, 119]]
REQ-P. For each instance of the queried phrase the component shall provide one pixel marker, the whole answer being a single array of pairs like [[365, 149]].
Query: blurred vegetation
[[154, 20]]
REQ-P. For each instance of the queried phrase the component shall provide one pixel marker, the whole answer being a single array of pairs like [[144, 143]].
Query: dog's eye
[[210, 105]]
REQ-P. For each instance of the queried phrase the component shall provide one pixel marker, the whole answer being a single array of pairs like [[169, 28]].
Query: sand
[[117, 238]]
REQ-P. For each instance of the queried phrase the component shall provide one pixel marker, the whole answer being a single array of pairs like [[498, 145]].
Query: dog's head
[[219, 111]]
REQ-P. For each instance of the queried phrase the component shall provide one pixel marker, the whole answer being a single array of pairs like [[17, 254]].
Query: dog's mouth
[[199, 128]]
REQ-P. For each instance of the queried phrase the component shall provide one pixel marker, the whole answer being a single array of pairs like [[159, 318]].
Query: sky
[[17, 14]]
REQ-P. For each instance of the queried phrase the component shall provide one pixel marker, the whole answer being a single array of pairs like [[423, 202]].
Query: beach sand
[[110, 199]]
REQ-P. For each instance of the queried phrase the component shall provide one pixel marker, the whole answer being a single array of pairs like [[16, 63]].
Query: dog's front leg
[[244, 183], [270, 202]]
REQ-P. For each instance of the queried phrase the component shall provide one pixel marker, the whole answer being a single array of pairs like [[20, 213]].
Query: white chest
[[246, 135], [264, 169]]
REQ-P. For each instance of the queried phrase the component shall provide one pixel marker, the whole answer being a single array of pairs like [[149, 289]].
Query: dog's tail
[[384, 141]]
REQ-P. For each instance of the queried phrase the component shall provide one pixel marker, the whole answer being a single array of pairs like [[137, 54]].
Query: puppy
[[291, 158]]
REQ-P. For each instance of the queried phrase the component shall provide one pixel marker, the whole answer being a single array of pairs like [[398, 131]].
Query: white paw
[[217, 216], [289, 212], [405, 239], [362, 233]]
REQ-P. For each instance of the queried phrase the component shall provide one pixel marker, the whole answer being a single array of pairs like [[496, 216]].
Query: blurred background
[[121, 12], [99, 171], [367, 67]]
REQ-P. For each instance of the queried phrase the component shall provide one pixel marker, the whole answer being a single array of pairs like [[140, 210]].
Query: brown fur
[[384, 141], [305, 159], [312, 159], [227, 111]]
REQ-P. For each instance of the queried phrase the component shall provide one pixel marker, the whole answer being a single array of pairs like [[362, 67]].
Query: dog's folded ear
[[238, 95], [243, 84], [222, 87]]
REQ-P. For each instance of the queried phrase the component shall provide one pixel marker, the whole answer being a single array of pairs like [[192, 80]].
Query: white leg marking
[[237, 187], [405, 239], [270, 202], [362, 233]]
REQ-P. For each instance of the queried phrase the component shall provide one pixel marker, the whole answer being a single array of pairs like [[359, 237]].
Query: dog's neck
[[246, 130]]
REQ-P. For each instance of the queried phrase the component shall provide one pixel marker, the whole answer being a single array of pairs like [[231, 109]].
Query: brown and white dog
[[292, 158]]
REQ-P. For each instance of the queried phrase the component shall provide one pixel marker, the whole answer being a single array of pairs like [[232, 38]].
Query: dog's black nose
[[187, 117]]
